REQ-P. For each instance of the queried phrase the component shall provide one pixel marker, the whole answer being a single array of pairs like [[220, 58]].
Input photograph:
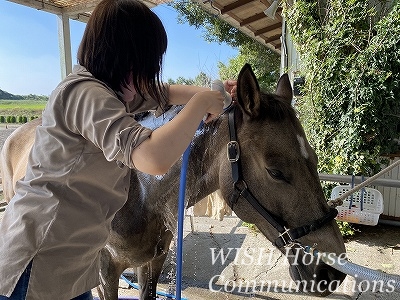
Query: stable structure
[[391, 194]]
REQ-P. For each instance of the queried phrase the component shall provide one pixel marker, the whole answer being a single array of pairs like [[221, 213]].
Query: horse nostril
[[323, 274], [328, 279]]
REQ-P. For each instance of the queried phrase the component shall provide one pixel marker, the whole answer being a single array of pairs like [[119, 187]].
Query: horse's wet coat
[[272, 141], [279, 167]]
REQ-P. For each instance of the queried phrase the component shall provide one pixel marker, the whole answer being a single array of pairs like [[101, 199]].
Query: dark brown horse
[[275, 165]]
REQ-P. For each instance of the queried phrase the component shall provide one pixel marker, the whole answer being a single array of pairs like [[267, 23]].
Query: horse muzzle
[[311, 275]]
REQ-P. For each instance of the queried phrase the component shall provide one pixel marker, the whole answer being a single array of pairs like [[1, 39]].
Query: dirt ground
[[375, 247]]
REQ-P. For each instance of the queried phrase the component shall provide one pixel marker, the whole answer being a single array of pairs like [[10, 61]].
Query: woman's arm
[[167, 143], [180, 94]]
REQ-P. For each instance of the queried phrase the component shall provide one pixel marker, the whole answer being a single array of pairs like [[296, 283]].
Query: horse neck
[[202, 174], [207, 150]]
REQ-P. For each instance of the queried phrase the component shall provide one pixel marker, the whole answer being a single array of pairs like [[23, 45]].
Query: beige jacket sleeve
[[139, 104], [93, 111]]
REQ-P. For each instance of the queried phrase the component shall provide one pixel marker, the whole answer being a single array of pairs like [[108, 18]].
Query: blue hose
[[181, 216], [135, 286], [217, 85]]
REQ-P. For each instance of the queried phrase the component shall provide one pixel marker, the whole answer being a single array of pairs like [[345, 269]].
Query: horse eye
[[276, 174]]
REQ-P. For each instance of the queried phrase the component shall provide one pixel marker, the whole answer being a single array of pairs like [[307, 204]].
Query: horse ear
[[248, 92], [284, 89]]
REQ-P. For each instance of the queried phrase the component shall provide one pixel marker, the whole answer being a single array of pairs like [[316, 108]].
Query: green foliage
[[181, 80], [350, 54], [252, 227], [35, 98], [215, 30], [346, 229], [264, 61], [201, 80], [11, 119], [264, 64]]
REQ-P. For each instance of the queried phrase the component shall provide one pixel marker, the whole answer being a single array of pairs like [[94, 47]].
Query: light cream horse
[[14, 156]]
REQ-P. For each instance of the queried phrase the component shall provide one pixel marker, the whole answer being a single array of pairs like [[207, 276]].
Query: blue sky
[[29, 54]]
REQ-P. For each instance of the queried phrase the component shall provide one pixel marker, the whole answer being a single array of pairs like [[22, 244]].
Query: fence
[[388, 185]]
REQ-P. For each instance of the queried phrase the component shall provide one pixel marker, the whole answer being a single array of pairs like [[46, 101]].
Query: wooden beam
[[272, 38], [85, 7], [234, 5], [252, 19], [267, 29], [81, 17]]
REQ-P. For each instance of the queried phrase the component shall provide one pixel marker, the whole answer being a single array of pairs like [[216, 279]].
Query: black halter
[[287, 237]]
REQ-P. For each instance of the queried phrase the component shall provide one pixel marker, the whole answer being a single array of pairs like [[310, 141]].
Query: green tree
[[200, 80], [264, 61], [351, 64], [265, 65], [181, 80]]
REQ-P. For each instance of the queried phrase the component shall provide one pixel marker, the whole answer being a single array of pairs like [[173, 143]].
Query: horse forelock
[[275, 108]]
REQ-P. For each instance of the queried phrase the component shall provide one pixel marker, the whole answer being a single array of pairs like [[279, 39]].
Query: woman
[[78, 171]]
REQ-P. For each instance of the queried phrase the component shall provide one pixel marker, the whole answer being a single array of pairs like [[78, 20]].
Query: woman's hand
[[231, 86], [213, 101]]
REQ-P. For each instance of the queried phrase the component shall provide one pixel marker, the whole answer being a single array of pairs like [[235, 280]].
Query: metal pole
[[357, 180]]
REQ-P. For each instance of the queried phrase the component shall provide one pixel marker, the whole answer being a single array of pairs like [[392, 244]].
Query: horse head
[[272, 161]]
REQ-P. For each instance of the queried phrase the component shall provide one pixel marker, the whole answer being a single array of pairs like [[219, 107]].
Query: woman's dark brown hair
[[124, 36]]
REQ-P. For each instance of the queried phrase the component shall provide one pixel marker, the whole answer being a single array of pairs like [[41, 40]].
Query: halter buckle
[[233, 151], [287, 239]]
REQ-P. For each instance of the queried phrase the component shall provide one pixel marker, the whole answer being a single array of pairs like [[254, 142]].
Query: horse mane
[[275, 108]]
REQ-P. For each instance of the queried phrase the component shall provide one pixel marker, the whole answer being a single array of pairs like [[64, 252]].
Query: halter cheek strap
[[287, 237]]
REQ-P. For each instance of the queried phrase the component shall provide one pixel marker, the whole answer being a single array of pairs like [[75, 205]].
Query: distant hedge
[[16, 119]]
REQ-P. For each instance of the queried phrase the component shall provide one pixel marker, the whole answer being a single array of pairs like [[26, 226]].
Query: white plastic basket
[[372, 205]]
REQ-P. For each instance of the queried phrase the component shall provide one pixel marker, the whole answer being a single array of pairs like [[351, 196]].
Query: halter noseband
[[287, 237]]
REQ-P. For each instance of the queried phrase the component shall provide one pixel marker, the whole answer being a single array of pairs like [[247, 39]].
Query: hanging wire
[[213, 6]]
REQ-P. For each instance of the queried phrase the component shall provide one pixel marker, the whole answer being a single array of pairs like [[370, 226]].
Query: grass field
[[21, 107]]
